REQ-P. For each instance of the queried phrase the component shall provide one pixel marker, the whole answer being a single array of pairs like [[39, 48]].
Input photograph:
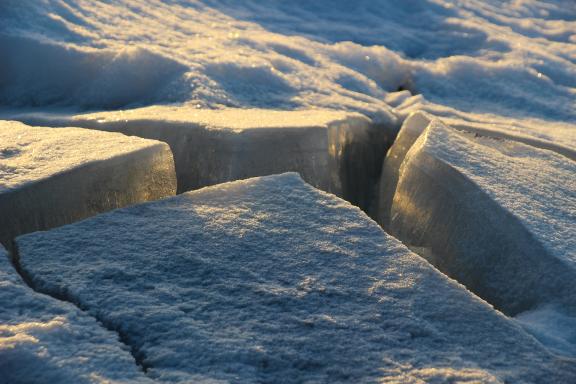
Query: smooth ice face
[[269, 280], [44, 341], [497, 216], [411, 129], [338, 152], [30, 154], [51, 177]]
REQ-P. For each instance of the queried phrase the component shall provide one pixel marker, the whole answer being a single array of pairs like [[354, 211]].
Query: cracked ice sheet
[[269, 280], [44, 341]]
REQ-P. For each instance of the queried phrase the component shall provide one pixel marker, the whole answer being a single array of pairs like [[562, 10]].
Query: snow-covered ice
[[271, 280], [339, 152], [45, 341], [51, 177], [496, 215]]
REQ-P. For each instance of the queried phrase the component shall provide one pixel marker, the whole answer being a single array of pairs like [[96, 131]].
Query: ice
[[50, 177], [339, 152], [556, 136], [411, 129], [496, 215], [271, 280], [45, 341]]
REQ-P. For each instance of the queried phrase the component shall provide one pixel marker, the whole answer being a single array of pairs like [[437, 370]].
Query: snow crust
[[51, 177], [496, 215], [504, 66], [270, 280], [339, 152], [227, 119], [45, 341]]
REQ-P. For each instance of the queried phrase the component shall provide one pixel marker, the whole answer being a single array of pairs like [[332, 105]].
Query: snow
[[339, 152], [318, 87], [496, 215], [553, 325], [271, 280], [51, 177], [43, 340], [509, 66]]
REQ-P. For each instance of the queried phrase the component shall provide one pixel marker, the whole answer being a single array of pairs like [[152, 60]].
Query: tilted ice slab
[[51, 177], [411, 129], [496, 215], [45, 341], [338, 152], [271, 280]]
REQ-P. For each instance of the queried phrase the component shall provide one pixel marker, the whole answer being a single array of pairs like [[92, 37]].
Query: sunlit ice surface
[[503, 68]]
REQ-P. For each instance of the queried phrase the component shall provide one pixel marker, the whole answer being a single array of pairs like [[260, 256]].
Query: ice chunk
[[413, 126], [51, 177], [496, 215], [338, 152], [271, 280], [45, 341]]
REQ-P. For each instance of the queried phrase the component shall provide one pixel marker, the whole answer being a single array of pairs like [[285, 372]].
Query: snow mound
[[51, 177], [496, 215], [44, 341], [39, 73], [514, 59], [339, 152], [271, 280]]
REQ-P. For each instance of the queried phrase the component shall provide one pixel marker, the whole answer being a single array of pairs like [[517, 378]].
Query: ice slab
[[50, 177], [338, 152], [271, 280], [45, 341], [496, 215]]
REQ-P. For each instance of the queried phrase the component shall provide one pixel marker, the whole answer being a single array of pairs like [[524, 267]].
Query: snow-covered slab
[[46, 341], [413, 127], [51, 177], [338, 152], [498, 216], [271, 280]]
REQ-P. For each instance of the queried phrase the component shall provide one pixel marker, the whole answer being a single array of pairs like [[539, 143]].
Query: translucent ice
[[51, 177]]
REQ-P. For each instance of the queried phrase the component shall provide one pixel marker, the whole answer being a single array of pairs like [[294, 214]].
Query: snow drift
[[39, 73]]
